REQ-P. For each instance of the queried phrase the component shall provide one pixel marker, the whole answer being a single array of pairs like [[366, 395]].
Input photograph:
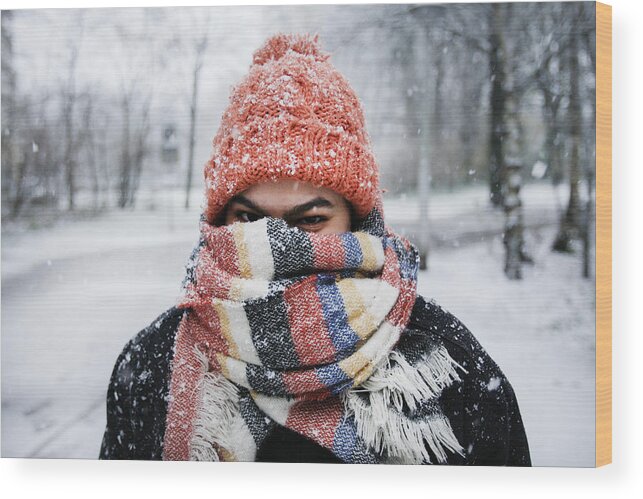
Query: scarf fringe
[[386, 429], [407, 383], [215, 418]]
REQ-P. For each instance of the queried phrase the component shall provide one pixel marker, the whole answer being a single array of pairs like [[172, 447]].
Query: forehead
[[287, 193]]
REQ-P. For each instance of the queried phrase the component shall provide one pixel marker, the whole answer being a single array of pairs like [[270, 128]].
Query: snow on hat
[[294, 116]]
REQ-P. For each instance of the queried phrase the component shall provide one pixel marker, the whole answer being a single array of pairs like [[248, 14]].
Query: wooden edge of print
[[603, 234]]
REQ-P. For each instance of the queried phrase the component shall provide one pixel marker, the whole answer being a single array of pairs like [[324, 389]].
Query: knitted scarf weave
[[299, 329]]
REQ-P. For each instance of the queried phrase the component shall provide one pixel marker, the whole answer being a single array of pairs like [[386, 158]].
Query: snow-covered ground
[[72, 295]]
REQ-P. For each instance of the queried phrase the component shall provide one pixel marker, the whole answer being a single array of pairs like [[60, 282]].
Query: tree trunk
[[590, 49], [69, 105], [552, 135], [426, 135], [200, 51], [126, 161], [70, 164], [137, 166], [570, 223], [18, 186], [89, 141], [497, 128], [513, 238], [8, 141], [195, 92]]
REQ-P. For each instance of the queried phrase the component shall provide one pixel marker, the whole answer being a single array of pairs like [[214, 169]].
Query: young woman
[[301, 336]]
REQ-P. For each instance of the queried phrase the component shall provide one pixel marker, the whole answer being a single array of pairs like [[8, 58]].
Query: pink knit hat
[[294, 116]]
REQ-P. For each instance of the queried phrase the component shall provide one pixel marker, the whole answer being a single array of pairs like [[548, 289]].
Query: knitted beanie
[[294, 116]]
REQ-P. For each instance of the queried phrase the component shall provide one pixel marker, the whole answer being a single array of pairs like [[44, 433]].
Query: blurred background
[[482, 121]]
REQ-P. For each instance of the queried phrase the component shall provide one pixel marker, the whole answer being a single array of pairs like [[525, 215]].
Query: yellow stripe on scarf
[[369, 263], [357, 367], [245, 270], [223, 364], [359, 319], [224, 321], [236, 289]]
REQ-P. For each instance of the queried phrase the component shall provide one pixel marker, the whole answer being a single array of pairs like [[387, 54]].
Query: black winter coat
[[482, 407]]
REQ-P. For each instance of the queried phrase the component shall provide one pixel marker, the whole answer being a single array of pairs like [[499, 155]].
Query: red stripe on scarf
[[183, 400], [305, 383], [400, 314], [391, 270], [316, 420], [212, 282], [328, 252], [208, 329], [220, 242], [308, 330]]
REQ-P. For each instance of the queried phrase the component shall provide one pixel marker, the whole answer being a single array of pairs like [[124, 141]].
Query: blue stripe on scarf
[[352, 250], [345, 439], [333, 377], [341, 334], [408, 260], [348, 446]]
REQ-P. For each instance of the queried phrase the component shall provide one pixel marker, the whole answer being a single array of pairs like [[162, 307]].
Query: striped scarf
[[300, 329]]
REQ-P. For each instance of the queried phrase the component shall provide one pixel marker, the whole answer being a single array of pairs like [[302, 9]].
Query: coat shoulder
[[429, 317], [162, 330], [153, 345], [482, 406], [138, 390]]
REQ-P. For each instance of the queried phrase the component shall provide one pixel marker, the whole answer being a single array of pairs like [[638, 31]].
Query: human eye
[[246, 216], [311, 222]]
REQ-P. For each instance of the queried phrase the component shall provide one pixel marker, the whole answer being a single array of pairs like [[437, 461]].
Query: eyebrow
[[318, 202], [239, 198]]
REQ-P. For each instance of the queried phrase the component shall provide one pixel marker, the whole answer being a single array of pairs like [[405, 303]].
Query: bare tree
[[589, 46], [88, 142], [135, 111], [199, 46], [570, 223], [68, 101], [139, 59], [27, 144], [8, 110], [498, 98], [33, 182]]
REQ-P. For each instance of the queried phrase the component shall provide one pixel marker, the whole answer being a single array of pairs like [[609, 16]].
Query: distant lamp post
[[424, 184], [513, 234]]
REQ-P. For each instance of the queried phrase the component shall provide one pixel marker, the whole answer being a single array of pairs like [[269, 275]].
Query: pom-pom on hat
[[294, 116]]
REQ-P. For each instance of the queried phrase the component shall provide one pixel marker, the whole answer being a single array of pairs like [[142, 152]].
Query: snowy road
[[63, 326]]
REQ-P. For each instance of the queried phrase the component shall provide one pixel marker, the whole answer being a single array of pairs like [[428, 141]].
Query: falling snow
[[121, 270]]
